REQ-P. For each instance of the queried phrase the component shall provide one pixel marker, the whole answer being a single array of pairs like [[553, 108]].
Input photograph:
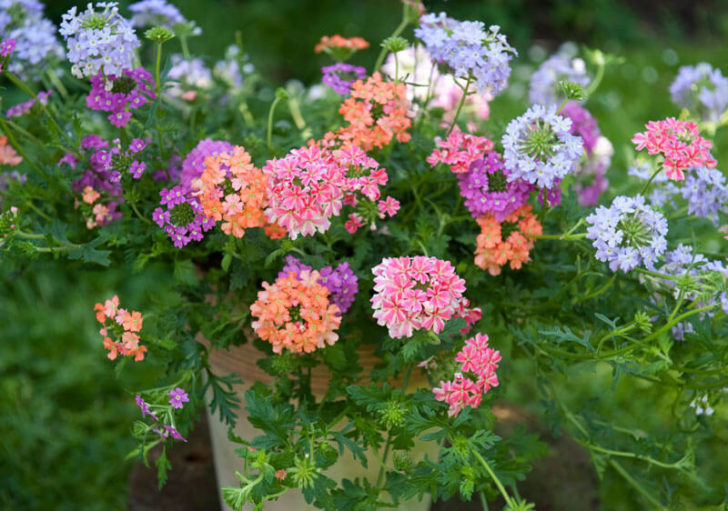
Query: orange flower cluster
[[328, 43], [95, 213], [8, 156], [295, 313], [233, 190], [376, 112], [123, 324], [501, 242]]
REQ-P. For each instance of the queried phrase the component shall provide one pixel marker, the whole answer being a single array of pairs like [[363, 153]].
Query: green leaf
[[184, 272]]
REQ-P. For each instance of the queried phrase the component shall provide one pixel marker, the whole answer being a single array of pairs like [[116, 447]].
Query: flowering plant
[[391, 262]]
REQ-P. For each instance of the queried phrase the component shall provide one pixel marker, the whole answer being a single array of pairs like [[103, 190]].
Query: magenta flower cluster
[[182, 217], [341, 76], [120, 94]]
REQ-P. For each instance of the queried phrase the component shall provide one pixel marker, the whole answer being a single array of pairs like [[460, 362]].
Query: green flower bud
[[395, 44], [572, 90], [159, 34], [642, 320], [392, 414]]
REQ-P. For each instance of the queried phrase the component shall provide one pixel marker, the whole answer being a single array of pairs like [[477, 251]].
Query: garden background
[[64, 417]]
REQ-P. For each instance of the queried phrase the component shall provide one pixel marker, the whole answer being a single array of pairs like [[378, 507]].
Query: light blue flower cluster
[[150, 13], [628, 233], [99, 40], [538, 148], [37, 46], [468, 49], [701, 89], [544, 86]]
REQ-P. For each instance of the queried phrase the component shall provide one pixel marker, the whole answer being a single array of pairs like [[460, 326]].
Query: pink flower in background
[[177, 397]]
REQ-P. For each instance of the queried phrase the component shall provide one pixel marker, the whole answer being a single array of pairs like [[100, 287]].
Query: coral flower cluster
[[233, 190], [477, 359], [123, 326], [506, 242], [342, 282], [679, 142], [376, 112], [295, 313], [340, 48], [413, 293]]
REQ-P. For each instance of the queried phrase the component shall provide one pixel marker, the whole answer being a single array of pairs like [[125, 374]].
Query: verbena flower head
[[8, 155], [118, 95], [178, 397], [123, 326], [309, 186], [487, 191], [459, 150], [415, 65], [679, 142], [99, 41], [478, 362], [590, 173], [468, 49], [194, 163], [628, 233], [340, 48], [706, 192], [341, 281], [233, 190], [376, 112], [155, 13], [188, 75], [144, 407], [538, 148], [24, 108], [295, 313], [544, 87], [413, 293], [182, 218], [341, 76], [36, 45], [701, 89], [505, 242]]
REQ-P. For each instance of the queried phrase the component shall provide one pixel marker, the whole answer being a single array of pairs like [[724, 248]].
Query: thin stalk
[[649, 181], [460, 105], [269, 137], [499, 485], [637, 486], [158, 88]]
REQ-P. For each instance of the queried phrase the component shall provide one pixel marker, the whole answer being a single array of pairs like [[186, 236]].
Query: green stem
[[57, 83], [384, 459], [158, 89], [141, 217], [269, 137], [298, 118], [649, 181], [383, 53], [21, 151], [597, 80], [564, 237], [185, 49], [497, 482], [637, 486], [460, 105], [600, 290]]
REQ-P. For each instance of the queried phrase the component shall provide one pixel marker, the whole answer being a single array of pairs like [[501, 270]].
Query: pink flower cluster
[[459, 150], [412, 293], [679, 142], [311, 184], [481, 361]]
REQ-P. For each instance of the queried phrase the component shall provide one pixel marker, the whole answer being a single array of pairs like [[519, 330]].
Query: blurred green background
[[65, 420]]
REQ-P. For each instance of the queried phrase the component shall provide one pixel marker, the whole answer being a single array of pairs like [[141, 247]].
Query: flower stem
[[157, 67], [499, 485], [649, 181], [460, 105], [269, 137]]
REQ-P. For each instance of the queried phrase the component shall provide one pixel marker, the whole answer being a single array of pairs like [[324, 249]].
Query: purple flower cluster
[[682, 261], [37, 45], [544, 86], [194, 163], [628, 233], [150, 13], [486, 189], [99, 41], [341, 281], [468, 49], [590, 173], [188, 74], [341, 76], [538, 148], [130, 90], [6, 48], [706, 193], [183, 219], [701, 89], [166, 429], [24, 108]]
